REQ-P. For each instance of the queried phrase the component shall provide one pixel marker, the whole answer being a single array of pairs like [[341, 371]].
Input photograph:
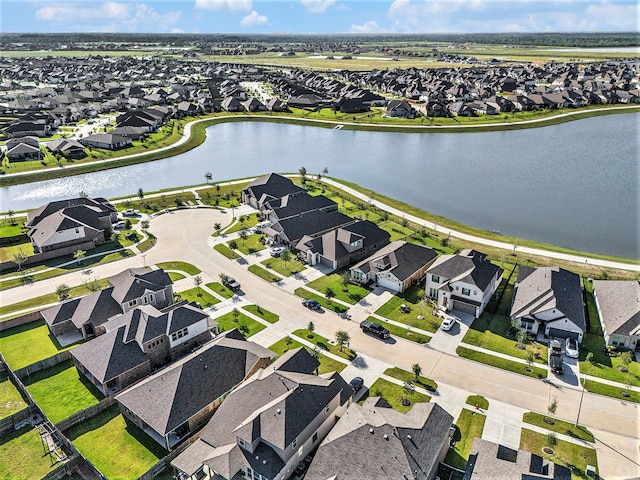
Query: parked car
[[230, 283], [119, 225], [555, 357], [311, 303], [356, 383], [374, 328], [571, 348], [448, 322], [276, 251], [130, 212]]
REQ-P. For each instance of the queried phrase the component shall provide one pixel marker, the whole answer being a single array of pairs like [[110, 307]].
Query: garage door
[[464, 307], [390, 284], [557, 333]]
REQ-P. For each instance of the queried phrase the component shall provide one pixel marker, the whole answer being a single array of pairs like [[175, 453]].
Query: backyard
[[10, 399], [21, 455]]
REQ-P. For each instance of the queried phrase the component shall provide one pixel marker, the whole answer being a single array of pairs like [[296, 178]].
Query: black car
[[356, 383], [311, 303]]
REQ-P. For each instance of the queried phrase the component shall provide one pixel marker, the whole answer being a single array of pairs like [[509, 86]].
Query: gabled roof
[[273, 185], [100, 204], [401, 258], [134, 282], [97, 307], [291, 205], [370, 441], [619, 302], [170, 397], [312, 223], [542, 289], [469, 266]]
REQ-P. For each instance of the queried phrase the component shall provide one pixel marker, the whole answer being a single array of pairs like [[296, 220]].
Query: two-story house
[[618, 304], [269, 424], [268, 188], [463, 282]]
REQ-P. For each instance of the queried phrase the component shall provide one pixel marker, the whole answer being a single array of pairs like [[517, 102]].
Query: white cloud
[[60, 12], [232, 5], [318, 6], [368, 27], [254, 19], [177, 30]]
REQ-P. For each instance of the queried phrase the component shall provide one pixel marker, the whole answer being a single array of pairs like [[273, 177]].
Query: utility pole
[[581, 397]]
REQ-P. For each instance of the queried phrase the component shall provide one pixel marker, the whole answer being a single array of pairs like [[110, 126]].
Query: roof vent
[[385, 436], [409, 437], [371, 430], [278, 411], [257, 457], [264, 462]]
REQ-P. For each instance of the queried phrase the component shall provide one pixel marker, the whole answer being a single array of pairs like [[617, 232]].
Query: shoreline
[[194, 134]]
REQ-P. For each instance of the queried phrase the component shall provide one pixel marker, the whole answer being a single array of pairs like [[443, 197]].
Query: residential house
[[77, 221], [491, 460], [374, 441], [399, 108], [396, 266], [549, 299], [463, 282], [22, 129], [23, 149], [84, 316], [267, 425], [139, 341], [106, 140], [267, 188], [618, 304], [294, 204], [179, 399], [290, 231], [341, 246], [67, 148]]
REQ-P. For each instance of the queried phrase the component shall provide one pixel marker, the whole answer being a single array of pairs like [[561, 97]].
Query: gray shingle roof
[[619, 303], [469, 266], [290, 205], [273, 185], [133, 282], [311, 223], [401, 258], [96, 307]]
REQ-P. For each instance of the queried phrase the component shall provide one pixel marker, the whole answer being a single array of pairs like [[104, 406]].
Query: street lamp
[[584, 379]]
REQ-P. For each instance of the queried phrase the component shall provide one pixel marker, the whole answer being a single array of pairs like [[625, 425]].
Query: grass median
[[503, 363]]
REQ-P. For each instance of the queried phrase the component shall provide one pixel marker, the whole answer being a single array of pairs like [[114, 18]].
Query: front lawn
[[568, 454], [558, 426], [355, 292], [247, 221], [175, 276], [612, 391], [226, 251], [469, 425], [118, 449], [323, 344], [180, 266], [327, 364], [10, 399], [405, 376], [263, 313], [251, 244], [204, 298], [27, 344], [490, 332], [503, 363], [245, 324], [287, 269], [478, 401], [402, 332], [220, 289], [21, 455], [267, 276], [333, 306], [393, 394], [391, 310], [62, 391]]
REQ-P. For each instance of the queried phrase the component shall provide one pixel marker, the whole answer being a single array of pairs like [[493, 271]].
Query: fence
[[41, 257], [85, 414], [43, 364], [21, 320], [165, 462], [17, 382], [19, 419]]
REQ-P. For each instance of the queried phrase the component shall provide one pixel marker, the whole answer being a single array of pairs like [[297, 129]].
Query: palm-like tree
[[342, 338], [417, 370], [303, 175]]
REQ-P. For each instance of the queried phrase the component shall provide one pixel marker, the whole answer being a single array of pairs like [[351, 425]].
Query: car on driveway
[[311, 303], [276, 251], [356, 383], [448, 322], [571, 348]]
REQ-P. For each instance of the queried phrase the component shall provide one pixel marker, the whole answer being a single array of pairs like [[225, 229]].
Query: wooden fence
[[86, 414], [19, 419], [165, 462], [21, 320], [43, 364]]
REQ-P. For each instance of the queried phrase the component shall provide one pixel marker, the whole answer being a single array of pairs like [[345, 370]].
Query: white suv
[[448, 322]]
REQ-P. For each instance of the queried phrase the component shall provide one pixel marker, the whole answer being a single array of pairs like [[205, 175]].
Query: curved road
[[185, 235]]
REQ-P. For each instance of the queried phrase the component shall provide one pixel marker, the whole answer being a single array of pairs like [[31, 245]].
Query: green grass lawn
[[7, 253], [264, 274], [263, 313], [251, 244], [612, 391], [247, 222], [405, 376], [248, 326], [469, 425], [478, 400], [119, 450], [21, 455], [62, 391], [12, 227], [204, 298], [333, 306], [394, 394], [568, 454], [180, 266], [558, 426], [286, 270], [226, 251], [147, 243], [402, 332], [220, 289], [29, 343], [324, 344], [490, 332], [175, 276], [355, 292], [327, 364], [499, 362], [391, 310], [10, 399]]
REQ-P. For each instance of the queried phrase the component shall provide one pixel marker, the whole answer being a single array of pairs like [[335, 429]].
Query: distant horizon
[[319, 17]]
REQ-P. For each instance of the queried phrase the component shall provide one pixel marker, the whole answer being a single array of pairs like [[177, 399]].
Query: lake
[[573, 185]]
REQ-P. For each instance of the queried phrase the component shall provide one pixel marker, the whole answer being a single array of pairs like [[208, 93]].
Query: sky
[[319, 16]]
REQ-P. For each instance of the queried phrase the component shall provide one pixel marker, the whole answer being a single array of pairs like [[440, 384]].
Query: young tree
[[10, 214], [329, 294], [310, 328], [92, 285], [551, 440], [243, 235], [590, 357], [144, 224], [235, 313], [552, 407], [233, 244], [285, 256], [316, 353], [208, 176], [79, 255], [345, 279], [140, 195], [529, 358], [626, 358], [197, 281], [342, 339], [417, 370], [62, 291], [521, 337], [303, 175], [217, 226], [407, 388], [218, 189], [288, 341], [19, 258]]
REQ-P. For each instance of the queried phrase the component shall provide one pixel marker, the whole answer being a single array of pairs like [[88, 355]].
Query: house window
[[466, 291], [355, 244], [326, 409], [433, 292], [241, 443], [133, 303], [77, 230], [475, 292], [151, 298], [295, 443], [314, 439], [435, 278]]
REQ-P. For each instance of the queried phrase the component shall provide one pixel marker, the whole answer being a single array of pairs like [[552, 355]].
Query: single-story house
[[549, 299], [68, 148], [618, 304], [23, 148], [396, 266], [109, 141]]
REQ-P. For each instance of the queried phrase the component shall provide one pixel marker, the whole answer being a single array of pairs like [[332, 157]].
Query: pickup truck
[[555, 356], [374, 328], [230, 283]]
